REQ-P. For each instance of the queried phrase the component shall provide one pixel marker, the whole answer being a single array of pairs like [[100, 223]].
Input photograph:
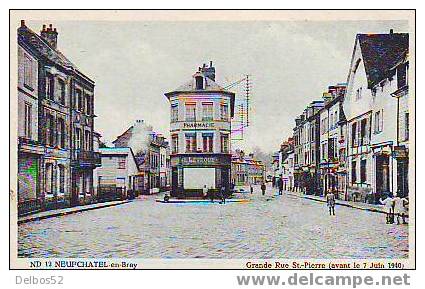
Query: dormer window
[[199, 81]]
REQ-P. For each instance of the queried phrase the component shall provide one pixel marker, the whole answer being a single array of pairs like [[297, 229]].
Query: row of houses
[[355, 139], [56, 157], [246, 170], [61, 160]]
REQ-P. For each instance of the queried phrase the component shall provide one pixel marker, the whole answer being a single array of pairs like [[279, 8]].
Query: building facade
[[372, 116], [246, 170], [151, 153], [118, 177], [50, 77], [306, 150], [201, 113]]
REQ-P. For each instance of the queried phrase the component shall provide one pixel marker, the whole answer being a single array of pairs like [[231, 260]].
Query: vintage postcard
[[212, 139]]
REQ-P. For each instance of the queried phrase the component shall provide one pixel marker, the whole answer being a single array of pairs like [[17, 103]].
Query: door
[[382, 174]]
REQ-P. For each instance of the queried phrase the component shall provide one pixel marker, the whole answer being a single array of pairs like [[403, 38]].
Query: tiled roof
[[381, 52], [210, 85]]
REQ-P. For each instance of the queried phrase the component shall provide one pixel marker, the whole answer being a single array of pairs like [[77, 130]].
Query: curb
[[375, 210], [57, 214]]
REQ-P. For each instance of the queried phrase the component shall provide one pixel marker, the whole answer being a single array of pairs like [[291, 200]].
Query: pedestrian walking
[[330, 200], [280, 185], [211, 192], [205, 192], [251, 188], [399, 208], [389, 205], [223, 195], [263, 188]]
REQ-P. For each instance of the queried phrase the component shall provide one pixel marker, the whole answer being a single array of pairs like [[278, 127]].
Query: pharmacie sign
[[198, 125]]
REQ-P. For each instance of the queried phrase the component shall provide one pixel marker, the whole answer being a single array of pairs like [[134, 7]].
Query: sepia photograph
[[219, 139]]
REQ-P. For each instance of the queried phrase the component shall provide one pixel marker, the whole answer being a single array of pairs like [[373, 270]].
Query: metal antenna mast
[[242, 103]]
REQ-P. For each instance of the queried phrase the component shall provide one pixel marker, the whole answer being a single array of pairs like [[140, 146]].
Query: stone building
[[53, 90], [201, 113]]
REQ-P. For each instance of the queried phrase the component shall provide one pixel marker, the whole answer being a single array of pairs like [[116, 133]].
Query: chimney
[[50, 35], [391, 31], [209, 71]]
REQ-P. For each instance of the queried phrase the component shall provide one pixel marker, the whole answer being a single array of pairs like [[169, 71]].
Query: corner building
[[200, 130]]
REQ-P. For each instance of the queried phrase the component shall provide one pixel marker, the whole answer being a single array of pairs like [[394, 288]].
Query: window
[[207, 111], [174, 144], [78, 138], [50, 87], [61, 132], [121, 162], [49, 178], [174, 113], [61, 179], [353, 172], [363, 171], [224, 143], [87, 104], [378, 122], [50, 130], [87, 138], [224, 111], [406, 126], [199, 82], [359, 93], [79, 100], [363, 132], [207, 140], [27, 120], [61, 91], [190, 112], [191, 145], [354, 134], [28, 66]]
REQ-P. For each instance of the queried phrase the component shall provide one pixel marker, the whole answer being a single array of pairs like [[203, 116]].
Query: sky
[[133, 64]]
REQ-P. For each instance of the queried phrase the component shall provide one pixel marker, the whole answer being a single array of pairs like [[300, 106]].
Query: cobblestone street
[[266, 227]]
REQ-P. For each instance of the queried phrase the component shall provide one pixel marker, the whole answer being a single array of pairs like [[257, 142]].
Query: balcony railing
[[86, 158]]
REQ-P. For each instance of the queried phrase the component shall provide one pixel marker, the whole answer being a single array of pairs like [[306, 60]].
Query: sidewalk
[[355, 205], [67, 211]]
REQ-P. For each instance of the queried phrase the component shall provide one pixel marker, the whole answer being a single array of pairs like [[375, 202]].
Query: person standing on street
[[251, 188], [280, 185], [399, 208], [223, 195], [330, 200], [263, 188], [211, 191], [388, 203], [205, 192]]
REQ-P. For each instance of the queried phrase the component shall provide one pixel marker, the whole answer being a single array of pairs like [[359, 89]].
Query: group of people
[[210, 192], [396, 207]]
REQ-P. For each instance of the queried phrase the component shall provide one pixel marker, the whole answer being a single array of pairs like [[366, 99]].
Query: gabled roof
[[381, 52]]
